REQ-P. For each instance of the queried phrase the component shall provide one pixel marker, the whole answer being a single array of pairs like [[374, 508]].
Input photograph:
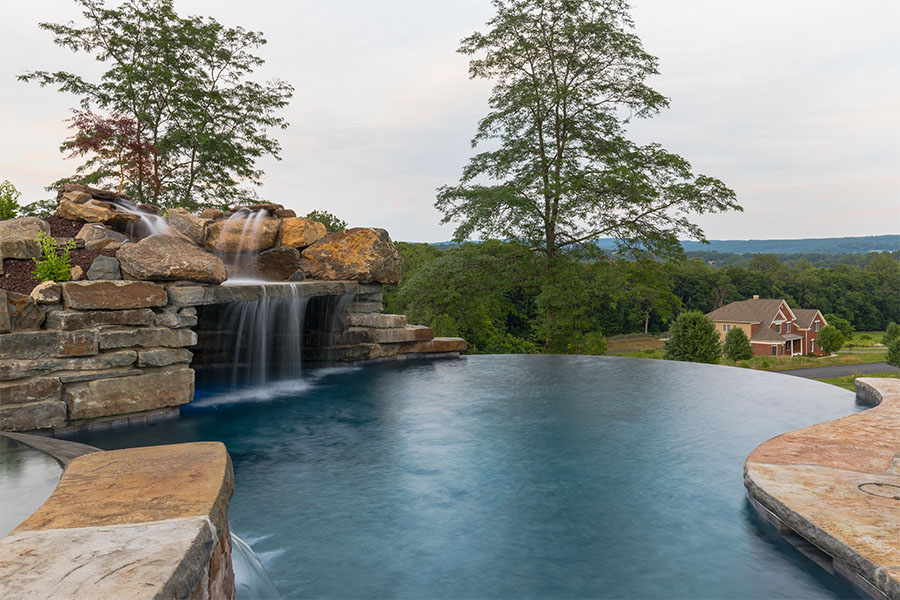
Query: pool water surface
[[509, 477]]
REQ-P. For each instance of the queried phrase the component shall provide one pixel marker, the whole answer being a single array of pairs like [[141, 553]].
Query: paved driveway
[[840, 370]]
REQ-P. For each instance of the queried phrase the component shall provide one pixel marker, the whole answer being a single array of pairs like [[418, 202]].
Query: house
[[774, 328]]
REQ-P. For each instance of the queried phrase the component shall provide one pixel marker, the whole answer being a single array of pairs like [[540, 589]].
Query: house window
[[787, 327], [724, 327], [774, 349], [777, 328], [812, 346], [816, 326]]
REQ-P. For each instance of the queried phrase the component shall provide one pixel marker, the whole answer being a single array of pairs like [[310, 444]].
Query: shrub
[[52, 266], [865, 337], [737, 345], [893, 355], [830, 339], [891, 333], [693, 338], [9, 201]]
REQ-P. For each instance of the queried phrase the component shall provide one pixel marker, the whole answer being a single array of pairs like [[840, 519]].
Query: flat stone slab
[[138, 485], [196, 295], [153, 560], [112, 295], [837, 484]]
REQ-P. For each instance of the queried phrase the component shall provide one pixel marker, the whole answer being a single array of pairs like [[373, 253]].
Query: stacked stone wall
[[102, 349], [93, 353]]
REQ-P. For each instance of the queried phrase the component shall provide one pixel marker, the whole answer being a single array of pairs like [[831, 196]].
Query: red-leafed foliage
[[119, 145]]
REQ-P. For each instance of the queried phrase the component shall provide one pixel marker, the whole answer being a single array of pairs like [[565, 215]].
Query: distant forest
[[501, 298]]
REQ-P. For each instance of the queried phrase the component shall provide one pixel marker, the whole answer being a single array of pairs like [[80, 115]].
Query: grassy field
[[645, 346], [864, 339], [625, 345], [847, 381]]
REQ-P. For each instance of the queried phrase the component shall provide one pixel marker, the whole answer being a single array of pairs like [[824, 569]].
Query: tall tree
[[561, 170], [184, 82]]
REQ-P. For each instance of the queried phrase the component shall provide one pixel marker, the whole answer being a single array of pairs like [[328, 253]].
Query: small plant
[[52, 266], [9, 201]]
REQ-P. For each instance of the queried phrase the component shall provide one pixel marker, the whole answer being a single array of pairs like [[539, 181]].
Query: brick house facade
[[773, 327]]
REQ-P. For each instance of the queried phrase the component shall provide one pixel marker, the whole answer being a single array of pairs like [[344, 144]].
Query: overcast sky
[[795, 104]]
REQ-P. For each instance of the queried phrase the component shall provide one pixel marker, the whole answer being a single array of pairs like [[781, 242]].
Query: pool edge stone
[[796, 482]]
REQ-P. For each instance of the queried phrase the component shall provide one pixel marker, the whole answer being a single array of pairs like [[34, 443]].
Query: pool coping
[[148, 522], [828, 490]]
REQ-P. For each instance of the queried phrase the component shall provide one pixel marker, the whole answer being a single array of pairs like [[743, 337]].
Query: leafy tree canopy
[[693, 338], [179, 85], [569, 74], [830, 339], [331, 222], [9, 200]]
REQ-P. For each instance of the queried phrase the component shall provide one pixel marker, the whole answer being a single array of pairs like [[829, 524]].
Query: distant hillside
[[845, 245]]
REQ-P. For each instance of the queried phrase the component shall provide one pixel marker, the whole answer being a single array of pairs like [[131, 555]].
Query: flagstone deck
[[833, 490]]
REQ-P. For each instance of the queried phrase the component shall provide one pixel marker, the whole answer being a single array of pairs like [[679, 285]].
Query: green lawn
[[846, 382], [772, 363], [864, 339]]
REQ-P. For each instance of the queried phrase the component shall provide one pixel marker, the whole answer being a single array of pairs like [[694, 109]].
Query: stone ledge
[[198, 295], [138, 523], [837, 486]]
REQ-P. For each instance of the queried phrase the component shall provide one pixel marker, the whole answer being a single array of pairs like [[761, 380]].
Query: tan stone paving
[[837, 484]]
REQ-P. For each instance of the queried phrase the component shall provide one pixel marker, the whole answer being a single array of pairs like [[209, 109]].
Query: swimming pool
[[509, 476]]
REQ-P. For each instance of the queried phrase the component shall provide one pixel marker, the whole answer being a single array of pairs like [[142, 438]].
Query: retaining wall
[[93, 353]]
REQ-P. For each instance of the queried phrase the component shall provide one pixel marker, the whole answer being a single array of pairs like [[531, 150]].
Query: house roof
[[757, 310], [766, 334], [805, 317]]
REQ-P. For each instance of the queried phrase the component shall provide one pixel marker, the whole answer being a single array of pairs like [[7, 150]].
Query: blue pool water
[[509, 477]]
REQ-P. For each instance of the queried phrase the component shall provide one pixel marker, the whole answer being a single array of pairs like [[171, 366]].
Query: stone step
[[395, 335], [365, 307], [436, 345], [376, 320]]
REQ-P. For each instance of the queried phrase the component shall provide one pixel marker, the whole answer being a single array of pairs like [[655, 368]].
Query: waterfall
[[150, 224], [268, 337], [251, 580], [240, 260]]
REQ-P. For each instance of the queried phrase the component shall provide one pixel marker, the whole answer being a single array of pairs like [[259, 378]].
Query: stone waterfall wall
[[92, 353]]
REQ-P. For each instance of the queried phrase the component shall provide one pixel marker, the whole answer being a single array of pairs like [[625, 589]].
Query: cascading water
[[251, 580], [240, 259], [268, 338], [149, 224]]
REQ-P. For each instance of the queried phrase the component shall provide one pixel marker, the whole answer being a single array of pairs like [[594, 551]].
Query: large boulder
[[277, 264], [250, 234], [18, 237], [96, 211], [96, 236], [168, 258], [298, 232], [189, 225], [363, 254]]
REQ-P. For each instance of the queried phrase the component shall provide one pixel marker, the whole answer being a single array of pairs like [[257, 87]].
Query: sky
[[794, 104]]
